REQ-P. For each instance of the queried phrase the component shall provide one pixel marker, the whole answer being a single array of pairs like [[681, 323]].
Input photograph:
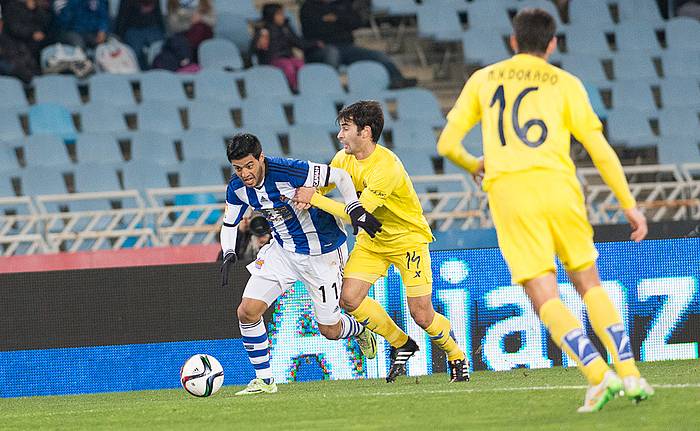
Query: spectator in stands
[[15, 58], [196, 18], [332, 22], [273, 42], [139, 24], [253, 233], [82, 23], [27, 22], [690, 8]]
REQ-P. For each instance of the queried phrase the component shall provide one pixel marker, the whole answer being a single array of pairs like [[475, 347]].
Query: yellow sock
[[568, 333], [607, 324], [374, 317], [441, 334]]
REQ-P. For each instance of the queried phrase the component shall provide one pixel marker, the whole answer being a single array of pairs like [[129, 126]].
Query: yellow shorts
[[413, 264], [537, 215]]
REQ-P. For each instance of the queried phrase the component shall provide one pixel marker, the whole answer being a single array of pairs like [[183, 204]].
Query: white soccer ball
[[202, 375]]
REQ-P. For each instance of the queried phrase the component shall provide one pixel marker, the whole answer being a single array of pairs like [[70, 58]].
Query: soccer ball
[[202, 375]]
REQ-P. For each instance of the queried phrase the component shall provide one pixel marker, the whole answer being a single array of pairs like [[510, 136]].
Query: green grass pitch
[[519, 399]]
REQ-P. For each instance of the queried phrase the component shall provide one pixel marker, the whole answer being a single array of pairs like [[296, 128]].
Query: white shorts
[[275, 270]]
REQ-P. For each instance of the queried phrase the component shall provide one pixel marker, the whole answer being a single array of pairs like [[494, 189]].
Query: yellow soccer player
[[528, 110], [387, 193]]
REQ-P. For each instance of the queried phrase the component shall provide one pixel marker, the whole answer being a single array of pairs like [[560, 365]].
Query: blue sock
[[256, 344]]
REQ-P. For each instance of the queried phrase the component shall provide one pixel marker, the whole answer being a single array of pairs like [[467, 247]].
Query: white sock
[[349, 326]]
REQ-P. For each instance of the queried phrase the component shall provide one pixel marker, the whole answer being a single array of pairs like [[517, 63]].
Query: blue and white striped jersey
[[310, 232]]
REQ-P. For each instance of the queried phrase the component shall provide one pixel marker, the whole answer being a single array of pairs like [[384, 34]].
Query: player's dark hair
[[242, 145], [364, 113], [533, 29]]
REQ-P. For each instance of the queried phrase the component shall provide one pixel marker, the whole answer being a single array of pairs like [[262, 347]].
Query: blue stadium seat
[[59, 89], [97, 147], [420, 105], [491, 16], [266, 82], [6, 189], [629, 128], [395, 7], [245, 8], [591, 13], [216, 85], [153, 146], [367, 77], [44, 150], [595, 99], [483, 48], [679, 149], [682, 34], [633, 36], [146, 174], [8, 158], [270, 139], [159, 117], [315, 110], [320, 79], [587, 68], [633, 94], [266, 113], [678, 63], [111, 88], [101, 117], [203, 144], [439, 23], [10, 125], [12, 93], [634, 66], [642, 12], [233, 27], [220, 54], [418, 163], [310, 142], [682, 92], [678, 121], [162, 86], [211, 115], [547, 5], [583, 39], [409, 135], [51, 119], [452, 239], [96, 177], [48, 182], [201, 172]]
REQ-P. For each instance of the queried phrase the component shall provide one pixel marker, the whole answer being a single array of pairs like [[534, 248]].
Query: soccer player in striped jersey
[[529, 110], [386, 191], [308, 245]]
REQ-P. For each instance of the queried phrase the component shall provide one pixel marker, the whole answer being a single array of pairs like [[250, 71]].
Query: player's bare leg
[[567, 332], [439, 329], [607, 324], [369, 313], [255, 342]]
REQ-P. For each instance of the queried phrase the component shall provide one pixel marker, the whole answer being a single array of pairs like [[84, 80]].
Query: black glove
[[361, 218], [229, 259]]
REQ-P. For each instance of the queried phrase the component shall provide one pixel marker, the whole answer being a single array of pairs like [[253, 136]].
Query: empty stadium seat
[[595, 99], [309, 142], [413, 136], [216, 85], [483, 47], [634, 66], [244, 8], [633, 36], [315, 110], [162, 86], [677, 63], [419, 104], [203, 144], [201, 172], [633, 94], [679, 149], [592, 13], [583, 39], [8, 158], [683, 92], [682, 33], [418, 163], [642, 12], [51, 119], [270, 139], [320, 79], [367, 77], [50, 182], [153, 146], [12, 93], [679, 121], [266, 82], [159, 117], [220, 54], [233, 27], [547, 5], [97, 147], [145, 174], [6, 189], [44, 150], [210, 115], [111, 88], [265, 113], [395, 7], [585, 67], [630, 127], [10, 125], [101, 117], [95, 177], [58, 89], [490, 16], [439, 23]]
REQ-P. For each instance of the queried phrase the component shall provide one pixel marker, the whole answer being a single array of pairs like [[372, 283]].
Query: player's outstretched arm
[[450, 145]]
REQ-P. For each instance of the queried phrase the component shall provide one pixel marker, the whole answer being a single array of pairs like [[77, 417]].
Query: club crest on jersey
[[259, 263], [581, 346]]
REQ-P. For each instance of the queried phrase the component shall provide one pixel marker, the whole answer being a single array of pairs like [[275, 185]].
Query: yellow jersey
[[387, 192], [528, 110]]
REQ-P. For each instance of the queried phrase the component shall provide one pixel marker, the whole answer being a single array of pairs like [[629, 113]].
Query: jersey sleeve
[[235, 208], [307, 174], [335, 163], [380, 184]]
